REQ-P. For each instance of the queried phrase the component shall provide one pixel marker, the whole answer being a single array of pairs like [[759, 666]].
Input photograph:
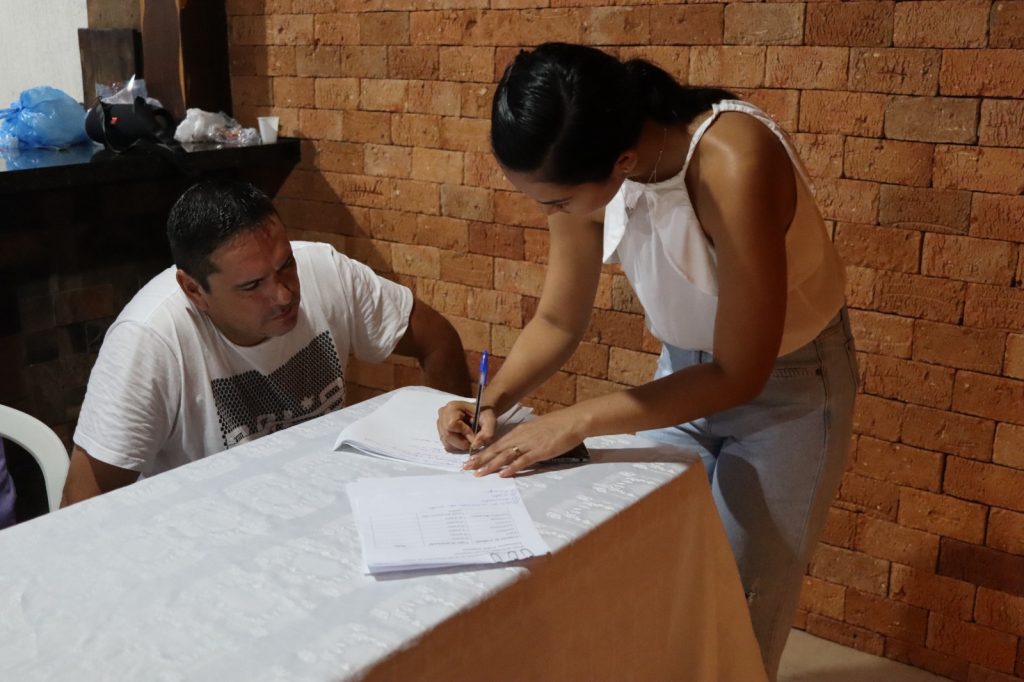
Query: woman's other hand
[[531, 442]]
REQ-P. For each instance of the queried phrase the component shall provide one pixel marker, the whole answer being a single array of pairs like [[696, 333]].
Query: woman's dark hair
[[207, 215], [568, 111]]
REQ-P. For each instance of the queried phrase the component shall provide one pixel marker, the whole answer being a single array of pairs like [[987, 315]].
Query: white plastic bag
[[205, 126]]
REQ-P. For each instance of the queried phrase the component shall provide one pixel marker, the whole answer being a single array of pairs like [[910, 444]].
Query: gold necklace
[[654, 172]]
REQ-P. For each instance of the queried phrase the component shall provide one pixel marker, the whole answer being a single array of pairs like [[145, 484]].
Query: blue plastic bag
[[43, 117]]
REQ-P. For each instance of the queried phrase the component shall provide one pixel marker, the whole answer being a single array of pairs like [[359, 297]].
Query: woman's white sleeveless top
[[653, 231]]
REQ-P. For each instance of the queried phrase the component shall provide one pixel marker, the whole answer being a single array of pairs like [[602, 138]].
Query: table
[[246, 566]]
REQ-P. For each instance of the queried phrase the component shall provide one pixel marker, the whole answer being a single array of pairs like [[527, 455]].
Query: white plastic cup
[[268, 128]]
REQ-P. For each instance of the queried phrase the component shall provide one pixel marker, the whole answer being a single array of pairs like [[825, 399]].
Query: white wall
[[39, 46]]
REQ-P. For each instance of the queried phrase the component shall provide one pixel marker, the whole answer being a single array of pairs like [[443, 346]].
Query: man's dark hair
[[207, 215]]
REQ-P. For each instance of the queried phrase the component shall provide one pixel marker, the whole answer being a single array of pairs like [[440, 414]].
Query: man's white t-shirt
[[168, 388]]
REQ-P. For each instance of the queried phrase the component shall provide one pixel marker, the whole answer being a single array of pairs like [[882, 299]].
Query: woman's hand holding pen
[[530, 442], [454, 425]]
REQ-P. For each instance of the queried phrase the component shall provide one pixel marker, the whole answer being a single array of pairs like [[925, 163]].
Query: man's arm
[[89, 477], [432, 340]]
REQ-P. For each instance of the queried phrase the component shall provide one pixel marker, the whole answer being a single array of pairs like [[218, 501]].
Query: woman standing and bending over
[[703, 201]]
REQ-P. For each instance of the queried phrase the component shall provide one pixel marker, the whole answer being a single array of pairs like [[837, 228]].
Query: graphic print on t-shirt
[[251, 404]]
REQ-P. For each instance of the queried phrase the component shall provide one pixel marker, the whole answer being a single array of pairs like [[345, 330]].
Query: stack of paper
[[405, 428], [418, 522]]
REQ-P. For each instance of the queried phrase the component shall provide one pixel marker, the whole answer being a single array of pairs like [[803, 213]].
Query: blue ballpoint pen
[[481, 382]]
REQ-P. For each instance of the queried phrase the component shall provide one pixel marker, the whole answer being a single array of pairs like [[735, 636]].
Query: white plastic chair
[[43, 444]]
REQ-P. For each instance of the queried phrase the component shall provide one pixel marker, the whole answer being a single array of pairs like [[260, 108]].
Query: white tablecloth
[[246, 566]]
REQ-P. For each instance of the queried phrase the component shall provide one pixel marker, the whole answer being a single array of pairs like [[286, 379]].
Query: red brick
[[943, 515], [374, 253], [932, 592], [393, 226], [361, 61], [987, 483], [976, 643], [318, 60], [871, 496], [956, 346], [932, 119], [956, 434], [892, 619], [893, 542], [465, 134], [414, 196], [616, 25], [853, 201], [631, 368], [383, 95], [866, 23], [435, 165], [388, 160], [1007, 24], [470, 203], [1006, 531], [896, 70], [336, 93], [845, 634], [316, 216], [925, 209], [445, 297], [997, 216], [899, 464], [496, 240], [988, 73], [518, 276], [926, 659], [807, 67], [468, 268], [985, 169], [901, 163], [433, 97], [294, 92], [852, 569], [686, 25], [942, 23], [253, 90], [278, 29], [475, 100], [624, 330], [475, 335], [556, 24], [500, 307], [987, 396], [301, 184], [1008, 448], [588, 387], [366, 126], [421, 261], [514, 208], [764, 24], [442, 232], [321, 124], [822, 597], [262, 60], [359, 190], [1000, 611], [928, 298], [383, 28], [492, 28], [481, 170], [878, 417], [852, 113], [436, 28], [822, 155], [840, 528], [913, 382], [994, 307], [1001, 122], [782, 105], [535, 244], [337, 29], [413, 62], [882, 248], [1013, 362], [590, 359], [727, 66], [466, 63], [977, 673], [416, 130], [884, 334]]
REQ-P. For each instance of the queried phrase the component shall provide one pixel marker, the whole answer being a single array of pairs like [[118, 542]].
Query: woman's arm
[[745, 197], [548, 340]]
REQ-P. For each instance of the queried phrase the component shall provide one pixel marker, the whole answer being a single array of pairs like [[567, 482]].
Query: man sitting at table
[[222, 349]]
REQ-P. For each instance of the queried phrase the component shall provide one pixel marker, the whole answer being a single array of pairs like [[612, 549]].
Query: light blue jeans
[[774, 465]]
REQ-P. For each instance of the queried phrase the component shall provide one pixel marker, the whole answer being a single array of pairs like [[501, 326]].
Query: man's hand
[[432, 340], [89, 477]]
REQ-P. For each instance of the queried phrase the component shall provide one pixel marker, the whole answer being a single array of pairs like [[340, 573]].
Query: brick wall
[[909, 115]]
